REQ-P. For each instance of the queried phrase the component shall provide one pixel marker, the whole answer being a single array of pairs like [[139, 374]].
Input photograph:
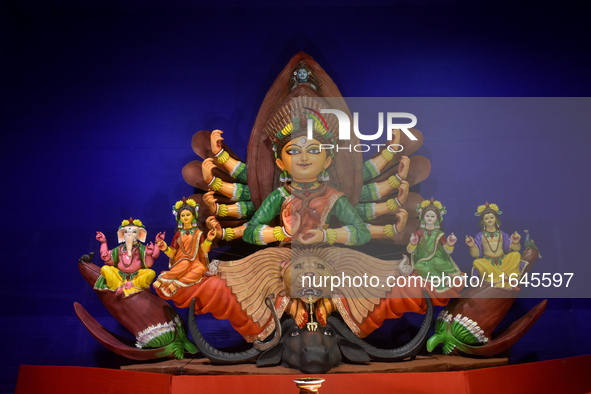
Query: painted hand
[[211, 235], [160, 241], [311, 237], [403, 191], [210, 202], [402, 216], [216, 141], [290, 220], [403, 167], [149, 249], [395, 138], [452, 239], [207, 169], [469, 241], [100, 237], [212, 224]]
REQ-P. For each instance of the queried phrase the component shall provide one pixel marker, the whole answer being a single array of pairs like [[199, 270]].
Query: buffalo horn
[[262, 346], [214, 355], [408, 350]]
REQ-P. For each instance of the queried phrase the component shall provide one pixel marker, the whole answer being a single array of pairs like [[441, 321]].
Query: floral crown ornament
[[131, 221], [486, 205], [291, 120], [433, 203], [179, 205]]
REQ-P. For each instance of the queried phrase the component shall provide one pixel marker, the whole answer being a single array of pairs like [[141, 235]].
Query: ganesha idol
[[127, 267]]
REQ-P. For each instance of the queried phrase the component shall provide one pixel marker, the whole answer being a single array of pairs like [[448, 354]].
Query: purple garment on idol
[[506, 243]]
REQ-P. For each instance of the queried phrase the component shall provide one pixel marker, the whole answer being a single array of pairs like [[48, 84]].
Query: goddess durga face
[[303, 159]]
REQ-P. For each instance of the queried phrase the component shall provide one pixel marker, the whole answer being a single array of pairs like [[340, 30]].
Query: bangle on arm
[[215, 184], [386, 154], [330, 235], [222, 156], [394, 181], [279, 233], [228, 234], [393, 204], [222, 210]]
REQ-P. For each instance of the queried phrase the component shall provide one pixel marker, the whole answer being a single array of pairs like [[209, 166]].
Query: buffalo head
[[312, 351]]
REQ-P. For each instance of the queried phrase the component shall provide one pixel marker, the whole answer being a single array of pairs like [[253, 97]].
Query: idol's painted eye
[[295, 333], [314, 150], [294, 150], [327, 332]]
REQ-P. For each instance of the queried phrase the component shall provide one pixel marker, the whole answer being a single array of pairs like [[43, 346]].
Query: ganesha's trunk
[[409, 350], [129, 240]]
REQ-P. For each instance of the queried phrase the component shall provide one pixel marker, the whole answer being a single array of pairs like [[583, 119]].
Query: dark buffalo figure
[[312, 351]]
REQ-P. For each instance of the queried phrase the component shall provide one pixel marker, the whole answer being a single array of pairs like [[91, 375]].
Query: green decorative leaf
[[161, 340], [182, 336], [448, 347], [190, 347], [178, 348], [434, 341], [440, 326], [462, 334]]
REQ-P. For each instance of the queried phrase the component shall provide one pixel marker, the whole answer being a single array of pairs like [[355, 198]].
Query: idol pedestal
[[457, 376]]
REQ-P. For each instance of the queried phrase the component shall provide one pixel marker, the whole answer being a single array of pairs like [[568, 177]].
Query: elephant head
[[131, 232]]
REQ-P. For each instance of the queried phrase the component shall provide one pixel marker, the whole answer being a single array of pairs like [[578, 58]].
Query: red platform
[[570, 375]]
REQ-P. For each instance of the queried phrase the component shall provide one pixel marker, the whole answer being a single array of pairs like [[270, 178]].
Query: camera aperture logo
[[344, 133]]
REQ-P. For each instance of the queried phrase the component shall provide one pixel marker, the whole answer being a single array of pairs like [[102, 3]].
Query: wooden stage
[[436, 363], [441, 374]]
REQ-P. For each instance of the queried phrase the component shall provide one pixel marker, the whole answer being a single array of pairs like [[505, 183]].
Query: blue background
[[99, 103]]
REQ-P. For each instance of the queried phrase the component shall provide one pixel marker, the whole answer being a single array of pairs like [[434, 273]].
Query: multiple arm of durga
[[305, 202]]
